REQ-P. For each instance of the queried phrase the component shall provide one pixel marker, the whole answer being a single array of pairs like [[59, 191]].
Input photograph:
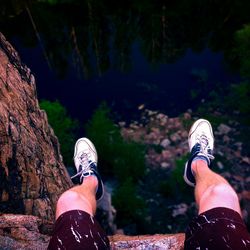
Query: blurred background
[[129, 74]]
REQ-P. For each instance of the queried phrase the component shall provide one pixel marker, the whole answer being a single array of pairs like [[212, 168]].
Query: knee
[[66, 202], [67, 198], [221, 195], [71, 200], [223, 191]]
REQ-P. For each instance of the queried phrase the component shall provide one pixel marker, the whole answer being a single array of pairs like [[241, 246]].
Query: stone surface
[[160, 131], [32, 174], [21, 232], [149, 242]]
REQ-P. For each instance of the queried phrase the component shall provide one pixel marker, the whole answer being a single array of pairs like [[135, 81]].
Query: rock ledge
[[23, 232], [150, 242]]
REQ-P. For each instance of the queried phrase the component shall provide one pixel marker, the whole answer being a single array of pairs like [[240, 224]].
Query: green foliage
[[130, 161], [130, 207], [238, 98], [242, 49], [124, 160], [116, 156], [175, 187], [177, 174], [63, 126], [105, 135]]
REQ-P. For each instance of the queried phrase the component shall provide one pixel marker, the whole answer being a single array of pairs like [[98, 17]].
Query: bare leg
[[79, 229], [85, 195], [82, 197], [212, 190], [220, 228]]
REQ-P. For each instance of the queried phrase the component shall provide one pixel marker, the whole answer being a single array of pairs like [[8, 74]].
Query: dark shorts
[[218, 228], [77, 229]]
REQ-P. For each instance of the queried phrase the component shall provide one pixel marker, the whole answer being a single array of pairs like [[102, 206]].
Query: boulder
[[32, 173]]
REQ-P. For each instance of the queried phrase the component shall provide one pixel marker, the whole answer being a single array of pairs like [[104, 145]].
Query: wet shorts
[[77, 229], [218, 228]]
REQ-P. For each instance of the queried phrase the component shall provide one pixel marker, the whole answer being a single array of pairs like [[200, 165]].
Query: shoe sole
[[90, 144], [185, 177], [195, 126]]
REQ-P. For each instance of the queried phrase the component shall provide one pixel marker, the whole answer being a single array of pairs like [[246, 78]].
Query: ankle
[[90, 181], [198, 163]]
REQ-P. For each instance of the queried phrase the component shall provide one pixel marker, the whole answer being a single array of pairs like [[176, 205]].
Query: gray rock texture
[[32, 174], [21, 232]]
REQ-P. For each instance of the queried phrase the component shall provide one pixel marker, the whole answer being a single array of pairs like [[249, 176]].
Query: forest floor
[[169, 201]]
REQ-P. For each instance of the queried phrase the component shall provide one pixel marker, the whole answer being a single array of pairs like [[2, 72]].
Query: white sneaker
[[201, 145], [85, 154], [85, 159]]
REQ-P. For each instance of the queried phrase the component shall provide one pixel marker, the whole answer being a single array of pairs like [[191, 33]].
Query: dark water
[[156, 54], [166, 87]]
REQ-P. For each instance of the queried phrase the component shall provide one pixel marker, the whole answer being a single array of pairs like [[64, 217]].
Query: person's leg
[[80, 197], [75, 226], [83, 196], [219, 224], [212, 190]]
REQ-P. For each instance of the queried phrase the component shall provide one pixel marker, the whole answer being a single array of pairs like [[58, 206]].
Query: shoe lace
[[84, 160], [204, 145], [85, 165]]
